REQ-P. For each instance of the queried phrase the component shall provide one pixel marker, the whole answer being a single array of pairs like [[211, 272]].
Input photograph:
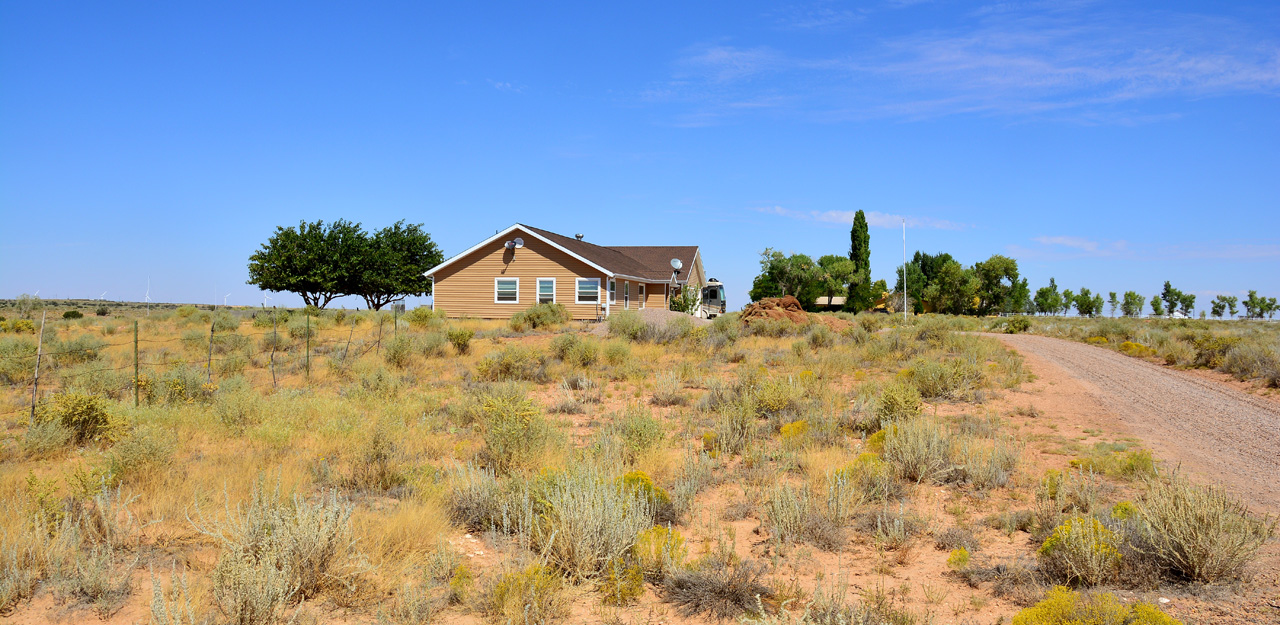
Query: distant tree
[[1068, 301], [1019, 298], [795, 275], [764, 286], [391, 264], [1172, 298], [1187, 303], [1217, 307], [860, 296], [953, 290], [1088, 304], [1132, 304], [996, 278], [1231, 304], [916, 285], [1157, 307], [1271, 308], [1113, 301], [315, 260], [1047, 298], [27, 305], [835, 275], [1253, 305]]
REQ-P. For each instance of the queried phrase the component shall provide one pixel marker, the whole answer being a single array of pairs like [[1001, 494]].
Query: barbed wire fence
[[54, 366]]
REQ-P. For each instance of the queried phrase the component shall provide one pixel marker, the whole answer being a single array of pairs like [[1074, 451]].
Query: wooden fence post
[[35, 385]]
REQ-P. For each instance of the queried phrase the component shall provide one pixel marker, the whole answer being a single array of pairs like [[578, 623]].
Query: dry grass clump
[[1254, 360], [659, 551], [533, 596], [667, 391], [920, 449], [1117, 460], [792, 515], [513, 362], [722, 588], [1081, 551], [85, 417], [1200, 533], [575, 350], [539, 316], [517, 436], [951, 379], [589, 521], [276, 551]]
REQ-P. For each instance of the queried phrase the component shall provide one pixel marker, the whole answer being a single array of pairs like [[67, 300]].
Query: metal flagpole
[[905, 290]]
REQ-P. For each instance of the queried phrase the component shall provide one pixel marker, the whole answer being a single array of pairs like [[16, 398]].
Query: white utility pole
[[905, 290]]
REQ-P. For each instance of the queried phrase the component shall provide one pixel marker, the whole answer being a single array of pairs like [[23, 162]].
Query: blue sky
[[1112, 145]]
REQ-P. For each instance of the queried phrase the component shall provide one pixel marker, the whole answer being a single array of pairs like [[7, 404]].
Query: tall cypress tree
[[860, 296]]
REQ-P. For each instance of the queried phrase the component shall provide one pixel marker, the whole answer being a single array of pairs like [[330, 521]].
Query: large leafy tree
[[1186, 303], [795, 275], [1172, 298], [953, 290], [1132, 304], [997, 277], [1157, 306], [859, 280], [1088, 304], [391, 264], [916, 286], [834, 277], [1048, 300], [314, 260]]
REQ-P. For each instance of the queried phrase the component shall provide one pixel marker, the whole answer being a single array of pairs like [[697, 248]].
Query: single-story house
[[521, 266]]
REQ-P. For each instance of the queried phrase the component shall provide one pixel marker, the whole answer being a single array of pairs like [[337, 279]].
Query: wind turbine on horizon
[[147, 297]]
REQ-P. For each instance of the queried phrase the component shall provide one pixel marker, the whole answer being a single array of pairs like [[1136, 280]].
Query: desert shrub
[[642, 485], [476, 498], [432, 344], [17, 360], [237, 407], [639, 430], [1137, 350], [301, 328], [734, 431], [1062, 494], [1212, 349], [575, 350], [539, 316], [697, 473], [83, 348], [898, 400], [184, 312], [513, 362], [460, 338], [277, 317], [399, 352], [422, 317], [101, 311], [376, 465], [795, 434], [821, 337], [225, 322], [891, 528], [1067, 607], [274, 341], [1252, 361], [1017, 325], [516, 434], [590, 521], [920, 449], [185, 385], [532, 596], [985, 465], [617, 354], [956, 537], [867, 479], [175, 606], [777, 395], [99, 576], [621, 584], [1176, 352], [85, 416], [276, 550], [1106, 459], [626, 324], [774, 328], [659, 551], [955, 378], [958, 559], [792, 516], [72, 314], [46, 439], [139, 456], [21, 326], [666, 391], [1081, 550], [1200, 533], [719, 587]]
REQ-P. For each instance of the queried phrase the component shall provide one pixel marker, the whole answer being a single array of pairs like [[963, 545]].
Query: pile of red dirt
[[789, 308]]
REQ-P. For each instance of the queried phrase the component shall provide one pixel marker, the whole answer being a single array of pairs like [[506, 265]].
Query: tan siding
[[466, 287]]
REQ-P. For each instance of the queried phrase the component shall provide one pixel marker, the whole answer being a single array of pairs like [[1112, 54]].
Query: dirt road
[[1212, 430]]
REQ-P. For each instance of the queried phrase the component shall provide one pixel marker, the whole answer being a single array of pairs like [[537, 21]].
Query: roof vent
[[578, 236]]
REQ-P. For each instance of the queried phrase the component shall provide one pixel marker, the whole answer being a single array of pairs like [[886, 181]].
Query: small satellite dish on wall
[[676, 264], [519, 243], [511, 245]]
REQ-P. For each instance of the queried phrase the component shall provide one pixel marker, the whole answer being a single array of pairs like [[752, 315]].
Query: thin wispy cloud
[[874, 219], [506, 86], [1072, 248], [1076, 61]]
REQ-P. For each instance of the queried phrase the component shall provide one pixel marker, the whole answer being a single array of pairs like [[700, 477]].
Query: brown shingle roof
[[648, 262]]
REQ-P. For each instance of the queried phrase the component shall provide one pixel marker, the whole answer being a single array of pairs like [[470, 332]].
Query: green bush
[[539, 316], [955, 378], [17, 360], [1017, 325], [85, 416], [101, 311], [516, 433], [423, 317], [617, 354], [399, 352], [72, 314], [302, 327], [139, 456], [432, 344], [575, 350], [184, 312], [276, 317], [45, 439], [659, 551], [514, 362], [460, 338], [898, 401], [640, 432], [590, 521], [83, 348]]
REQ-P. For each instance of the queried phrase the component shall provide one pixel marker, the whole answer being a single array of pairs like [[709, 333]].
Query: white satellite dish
[[676, 264], [519, 243], [509, 245]]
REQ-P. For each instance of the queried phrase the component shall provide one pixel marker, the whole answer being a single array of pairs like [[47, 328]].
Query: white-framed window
[[506, 290], [626, 295], [587, 291], [546, 290], [640, 294], [613, 291]]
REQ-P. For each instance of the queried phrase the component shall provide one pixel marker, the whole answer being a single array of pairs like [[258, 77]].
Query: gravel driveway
[[1211, 429]]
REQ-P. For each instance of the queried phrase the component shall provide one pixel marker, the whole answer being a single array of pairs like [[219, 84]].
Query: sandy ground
[[1214, 431]]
